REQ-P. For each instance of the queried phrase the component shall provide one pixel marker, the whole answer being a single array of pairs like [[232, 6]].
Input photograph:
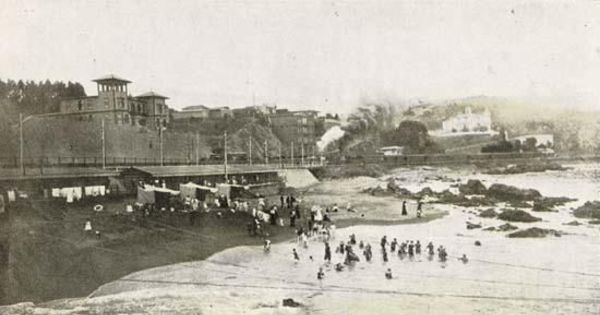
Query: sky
[[308, 54]]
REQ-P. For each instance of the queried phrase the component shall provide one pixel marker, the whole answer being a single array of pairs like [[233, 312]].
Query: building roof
[[55, 173], [194, 107], [111, 77], [151, 94], [203, 170]]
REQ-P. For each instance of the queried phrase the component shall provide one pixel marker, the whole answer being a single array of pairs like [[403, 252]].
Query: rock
[[572, 223], [535, 232], [588, 210], [291, 303], [489, 213], [376, 191], [519, 204], [526, 168], [507, 227], [489, 228], [594, 222], [472, 187], [426, 192], [477, 243], [471, 226], [540, 207], [510, 193], [393, 187], [517, 216]]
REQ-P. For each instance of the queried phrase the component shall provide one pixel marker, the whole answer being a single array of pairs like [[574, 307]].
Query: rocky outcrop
[[489, 213], [472, 187], [503, 192], [590, 209], [517, 216], [525, 168], [535, 232]]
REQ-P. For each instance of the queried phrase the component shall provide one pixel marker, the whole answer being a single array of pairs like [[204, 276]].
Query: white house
[[468, 123], [392, 150]]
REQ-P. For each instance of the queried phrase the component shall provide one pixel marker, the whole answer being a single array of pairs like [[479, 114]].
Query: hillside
[[576, 135]]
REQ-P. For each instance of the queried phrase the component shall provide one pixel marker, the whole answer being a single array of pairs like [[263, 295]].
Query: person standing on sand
[[327, 252], [367, 252], [296, 256], [404, 212], [419, 209]]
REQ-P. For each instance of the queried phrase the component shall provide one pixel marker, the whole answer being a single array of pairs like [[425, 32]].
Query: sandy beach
[[503, 276]]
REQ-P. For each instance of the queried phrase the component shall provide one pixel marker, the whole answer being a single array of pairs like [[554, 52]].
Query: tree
[[530, 144], [413, 135]]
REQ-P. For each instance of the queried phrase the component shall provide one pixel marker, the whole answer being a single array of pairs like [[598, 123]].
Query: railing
[[124, 161]]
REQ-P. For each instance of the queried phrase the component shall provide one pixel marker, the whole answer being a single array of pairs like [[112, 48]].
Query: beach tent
[[193, 190], [155, 195]]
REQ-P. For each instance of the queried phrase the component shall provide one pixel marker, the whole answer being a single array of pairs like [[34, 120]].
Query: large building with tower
[[114, 103]]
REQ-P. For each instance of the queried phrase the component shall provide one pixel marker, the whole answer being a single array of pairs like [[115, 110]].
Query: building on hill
[[467, 123], [196, 111], [114, 102], [300, 128]]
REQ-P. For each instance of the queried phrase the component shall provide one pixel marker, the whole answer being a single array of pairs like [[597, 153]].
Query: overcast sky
[[326, 55]]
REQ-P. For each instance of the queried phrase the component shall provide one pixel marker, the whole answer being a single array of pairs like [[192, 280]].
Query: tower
[[112, 95]]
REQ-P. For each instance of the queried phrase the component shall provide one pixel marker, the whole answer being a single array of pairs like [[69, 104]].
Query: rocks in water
[[535, 232], [547, 204], [502, 228], [594, 222], [396, 189], [526, 168], [376, 191], [540, 207], [573, 223], [425, 192], [489, 213], [510, 193], [471, 226], [519, 204], [517, 216], [507, 227], [291, 303], [472, 187], [590, 209]]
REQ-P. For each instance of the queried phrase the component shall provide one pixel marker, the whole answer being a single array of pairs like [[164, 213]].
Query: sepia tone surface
[[299, 157]]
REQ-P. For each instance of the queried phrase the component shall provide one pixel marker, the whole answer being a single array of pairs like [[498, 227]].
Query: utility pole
[[302, 153], [197, 148], [103, 145], [250, 150], [225, 155], [280, 162], [160, 135], [292, 152], [266, 152], [21, 163]]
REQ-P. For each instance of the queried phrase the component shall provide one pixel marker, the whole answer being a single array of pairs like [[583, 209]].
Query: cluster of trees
[[504, 146], [413, 136], [376, 125], [29, 97]]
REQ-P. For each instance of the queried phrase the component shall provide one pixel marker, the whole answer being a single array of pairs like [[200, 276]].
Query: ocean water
[[553, 275]]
